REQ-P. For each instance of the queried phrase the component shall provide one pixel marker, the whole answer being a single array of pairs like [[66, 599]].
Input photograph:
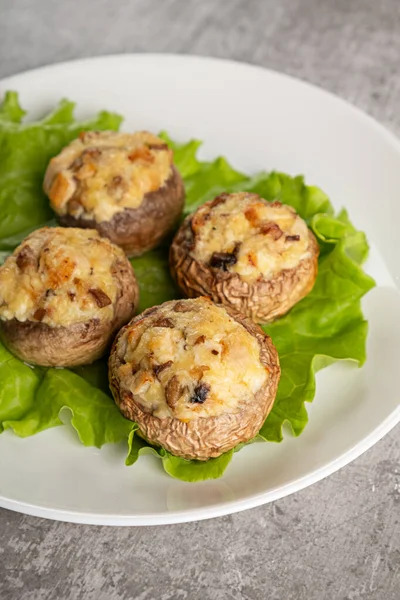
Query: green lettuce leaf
[[185, 155], [95, 417], [326, 326], [18, 386], [155, 282], [10, 110], [25, 150], [185, 470]]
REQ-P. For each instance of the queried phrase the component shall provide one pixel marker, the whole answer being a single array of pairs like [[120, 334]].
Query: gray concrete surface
[[339, 539]]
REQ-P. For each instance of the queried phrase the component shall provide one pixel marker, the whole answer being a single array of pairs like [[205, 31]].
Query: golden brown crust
[[137, 230], [262, 300], [81, 343], [205, 437]]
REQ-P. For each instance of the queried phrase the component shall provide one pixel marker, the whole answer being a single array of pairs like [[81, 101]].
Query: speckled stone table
[[339, 539]]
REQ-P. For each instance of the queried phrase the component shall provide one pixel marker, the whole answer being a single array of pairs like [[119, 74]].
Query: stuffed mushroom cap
[[256, 256], [64, 292], [125, 185], [197, 378]]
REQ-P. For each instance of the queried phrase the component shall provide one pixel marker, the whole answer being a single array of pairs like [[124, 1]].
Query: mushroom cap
[[203, 437], [263, 299], [125, 185], [77, 340]]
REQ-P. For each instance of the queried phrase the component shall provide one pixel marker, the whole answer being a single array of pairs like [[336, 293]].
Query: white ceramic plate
[[259, 120]]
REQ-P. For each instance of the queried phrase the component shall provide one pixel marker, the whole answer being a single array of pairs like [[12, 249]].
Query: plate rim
[[232, 506], [346, 104], [213, 511]]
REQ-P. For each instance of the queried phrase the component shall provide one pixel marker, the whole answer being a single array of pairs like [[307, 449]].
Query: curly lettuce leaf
[[326, 326], [10, 110], [185, 470], [18, 386], [203, 180], [155, 282], [185, 155], [25, 150], [94, 415]]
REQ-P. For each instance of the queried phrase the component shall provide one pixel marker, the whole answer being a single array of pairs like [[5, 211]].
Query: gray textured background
[[339, 539]]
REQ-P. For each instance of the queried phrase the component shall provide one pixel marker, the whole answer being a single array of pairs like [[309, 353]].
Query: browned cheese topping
[[60, 276], [102, 173], [190, 359], [242, 233]]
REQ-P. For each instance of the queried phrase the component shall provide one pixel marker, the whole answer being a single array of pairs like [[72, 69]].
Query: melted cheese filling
[[102, 173], [264, 237], [59, 276], [187, 365]]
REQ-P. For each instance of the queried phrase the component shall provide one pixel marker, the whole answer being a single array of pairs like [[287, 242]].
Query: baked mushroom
[[256, 256], [63, 294], [125, 185], [197, 378]]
